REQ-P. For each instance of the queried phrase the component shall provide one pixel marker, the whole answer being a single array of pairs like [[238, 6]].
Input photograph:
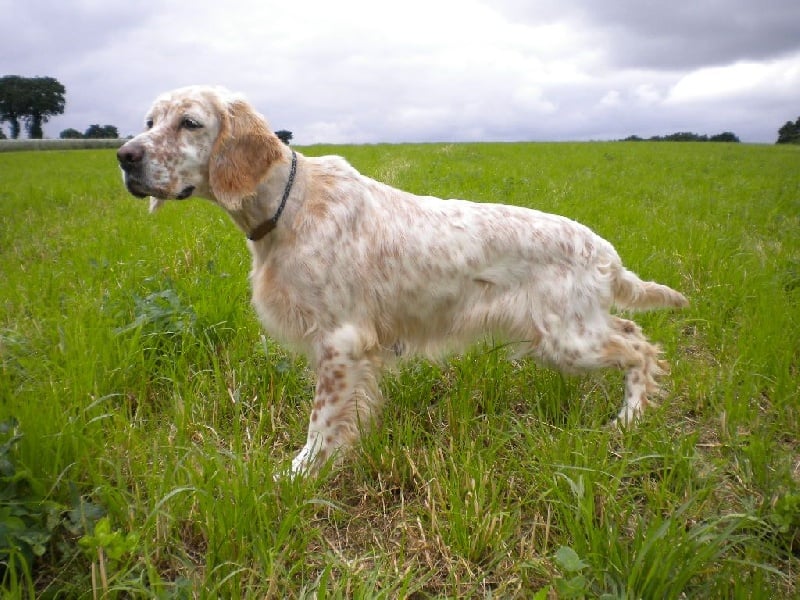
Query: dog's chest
[[279, 307]]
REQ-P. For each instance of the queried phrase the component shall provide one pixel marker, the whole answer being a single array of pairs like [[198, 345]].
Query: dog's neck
[[266, 226], [259, 216]]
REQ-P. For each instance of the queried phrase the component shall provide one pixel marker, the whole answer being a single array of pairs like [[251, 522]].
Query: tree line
[[687, 136]]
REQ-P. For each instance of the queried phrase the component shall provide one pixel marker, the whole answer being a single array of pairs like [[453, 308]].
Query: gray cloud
[[357, 71], [674, 35]]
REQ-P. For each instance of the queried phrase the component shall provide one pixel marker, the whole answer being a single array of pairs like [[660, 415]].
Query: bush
[[725, 136], [106, 132], [70, 134]]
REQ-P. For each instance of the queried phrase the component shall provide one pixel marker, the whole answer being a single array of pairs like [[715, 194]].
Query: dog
[[356, 274]]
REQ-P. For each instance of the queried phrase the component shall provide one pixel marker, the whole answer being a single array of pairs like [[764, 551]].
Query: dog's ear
[[242, 154]]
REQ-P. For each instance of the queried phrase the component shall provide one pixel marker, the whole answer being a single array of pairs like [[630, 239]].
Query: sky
[[367, 71]]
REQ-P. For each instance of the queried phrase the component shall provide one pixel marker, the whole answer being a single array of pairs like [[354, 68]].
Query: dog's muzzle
[[131, 160]]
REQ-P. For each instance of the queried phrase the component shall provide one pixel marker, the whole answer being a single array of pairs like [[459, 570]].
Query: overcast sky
[[353, 71]]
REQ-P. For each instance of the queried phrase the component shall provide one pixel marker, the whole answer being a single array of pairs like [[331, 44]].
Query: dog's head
[[201, 141]]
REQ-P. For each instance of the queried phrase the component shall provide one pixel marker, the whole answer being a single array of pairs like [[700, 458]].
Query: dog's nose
[[130, 155]]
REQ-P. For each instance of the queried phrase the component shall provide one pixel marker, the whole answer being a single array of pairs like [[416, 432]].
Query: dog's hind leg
[[347, 399], [611, 342], [642, 365]]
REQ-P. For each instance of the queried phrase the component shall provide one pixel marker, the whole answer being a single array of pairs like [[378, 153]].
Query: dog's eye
[[189, 123], [148, 123]]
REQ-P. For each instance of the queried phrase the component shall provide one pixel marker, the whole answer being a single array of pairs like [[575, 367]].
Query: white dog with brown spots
[[355, 273]]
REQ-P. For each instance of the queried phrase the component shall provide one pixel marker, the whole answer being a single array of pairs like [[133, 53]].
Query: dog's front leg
[[346, 399]]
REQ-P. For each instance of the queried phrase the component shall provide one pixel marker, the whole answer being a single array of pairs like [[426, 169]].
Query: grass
[[153, 411]]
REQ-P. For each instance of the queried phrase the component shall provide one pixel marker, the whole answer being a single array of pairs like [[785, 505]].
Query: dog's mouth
[[185, 193], [135, 187], [140, 190]]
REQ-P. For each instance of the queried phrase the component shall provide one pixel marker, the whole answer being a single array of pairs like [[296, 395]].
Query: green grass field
[[153, 411]]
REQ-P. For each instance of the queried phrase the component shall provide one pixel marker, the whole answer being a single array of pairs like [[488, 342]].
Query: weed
[[161, 313], [106, 548], [27, 520]]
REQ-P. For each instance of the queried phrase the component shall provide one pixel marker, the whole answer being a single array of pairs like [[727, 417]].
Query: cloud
[[740, 79], [359, 71]]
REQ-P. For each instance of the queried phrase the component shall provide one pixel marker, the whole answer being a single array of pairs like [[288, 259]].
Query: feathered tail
[[633, 293]]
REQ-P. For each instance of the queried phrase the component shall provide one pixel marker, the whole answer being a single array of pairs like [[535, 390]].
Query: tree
[[12, 102], [47, 99], [789, 133], [285, 136], [70, 134], [32, 100], [95, 132]]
